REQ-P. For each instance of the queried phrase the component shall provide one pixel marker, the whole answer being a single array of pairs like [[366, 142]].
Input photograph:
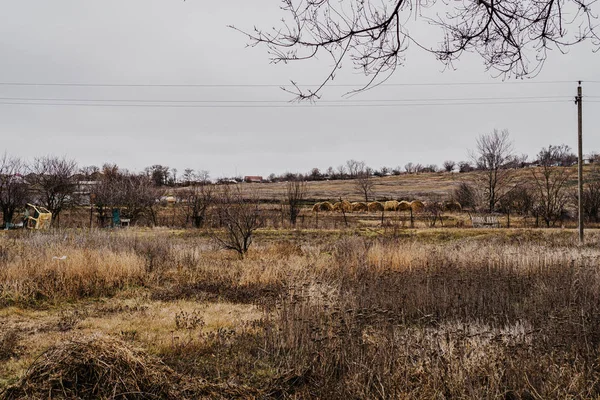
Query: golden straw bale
[[346, 206], [316, 207], [404, 206], [337, 206], [391, 205], [417, 205], [325, 206], [360, 206], [375, 206]]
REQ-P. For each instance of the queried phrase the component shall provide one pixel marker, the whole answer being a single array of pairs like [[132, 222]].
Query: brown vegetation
[[315, 314]]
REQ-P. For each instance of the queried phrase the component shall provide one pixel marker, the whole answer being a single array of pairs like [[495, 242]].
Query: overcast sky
[[152, 42]]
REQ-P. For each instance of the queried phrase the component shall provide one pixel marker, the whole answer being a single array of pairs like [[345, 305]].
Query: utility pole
[[578, 101]]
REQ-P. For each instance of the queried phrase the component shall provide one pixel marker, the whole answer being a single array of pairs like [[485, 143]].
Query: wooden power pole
[[578, 101]]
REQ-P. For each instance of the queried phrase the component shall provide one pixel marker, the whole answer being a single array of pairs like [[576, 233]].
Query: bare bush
[[295, 192], [239, 216]]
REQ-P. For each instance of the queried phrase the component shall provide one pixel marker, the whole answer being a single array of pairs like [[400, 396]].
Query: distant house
[[253, 179]]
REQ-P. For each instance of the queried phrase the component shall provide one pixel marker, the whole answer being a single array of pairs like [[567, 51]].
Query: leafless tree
[[491, 155], [199, 197], [364, 183], [466, 195], [295, 192], [449, 165], [107, 194], [240, 216], [591, 196], [139, 197], [54, 181], [513, 37], [465, 166], [341, 171], [355, 168], [13, 188], [550, 181], [433, 211]]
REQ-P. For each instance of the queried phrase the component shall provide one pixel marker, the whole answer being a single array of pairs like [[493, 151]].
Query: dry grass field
[[312, 313]]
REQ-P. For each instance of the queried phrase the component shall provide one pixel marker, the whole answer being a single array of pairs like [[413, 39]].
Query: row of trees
[[544, 192], [49, 181]]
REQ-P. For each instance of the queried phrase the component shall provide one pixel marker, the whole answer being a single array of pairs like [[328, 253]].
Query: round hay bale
[[375, 206], [360, 206], [452, 206], [404, 206], [316, 207], [95, 367], [337, 206], [391, 205], [346, 206], [417, 205], [325, 206]]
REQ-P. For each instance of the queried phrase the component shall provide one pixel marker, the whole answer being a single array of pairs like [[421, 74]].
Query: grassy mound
[[96, 367]]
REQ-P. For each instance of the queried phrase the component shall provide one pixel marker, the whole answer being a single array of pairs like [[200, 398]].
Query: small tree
[[433, 211], [239, 217], [591, 196], [107, 194], [159, 174], [465, 195], [491, 155], [295, 193], [198, 198], [464, 166], [449, 165], [13, 188], [54, 181], [138, 196], [364, 183], [550, 181]]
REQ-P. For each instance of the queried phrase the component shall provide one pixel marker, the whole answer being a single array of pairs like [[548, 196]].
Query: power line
[[186, 85], [55, 99], [294, 106]]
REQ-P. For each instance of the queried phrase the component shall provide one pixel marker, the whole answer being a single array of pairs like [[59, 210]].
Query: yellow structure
[[37, 217]]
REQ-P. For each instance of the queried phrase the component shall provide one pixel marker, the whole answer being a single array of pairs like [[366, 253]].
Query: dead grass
[[361, 313], [94, 367]]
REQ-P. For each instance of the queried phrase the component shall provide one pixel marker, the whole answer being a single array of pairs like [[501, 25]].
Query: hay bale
[[391, 205], [452, 206], [337, 206], [360, 206], [95, 367], [346, 206], [417, 205], [325, 206], [316, 207], [404, 206], [375, 206]]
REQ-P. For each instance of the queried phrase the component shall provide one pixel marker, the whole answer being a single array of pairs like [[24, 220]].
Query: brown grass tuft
[[95, 367]]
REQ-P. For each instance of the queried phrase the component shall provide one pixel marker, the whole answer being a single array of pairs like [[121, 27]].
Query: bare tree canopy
[[295, 192], [54, 180], [493, 155], [512, 37]]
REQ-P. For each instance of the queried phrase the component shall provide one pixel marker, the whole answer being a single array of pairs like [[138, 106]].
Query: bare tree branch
[[374, 35]]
